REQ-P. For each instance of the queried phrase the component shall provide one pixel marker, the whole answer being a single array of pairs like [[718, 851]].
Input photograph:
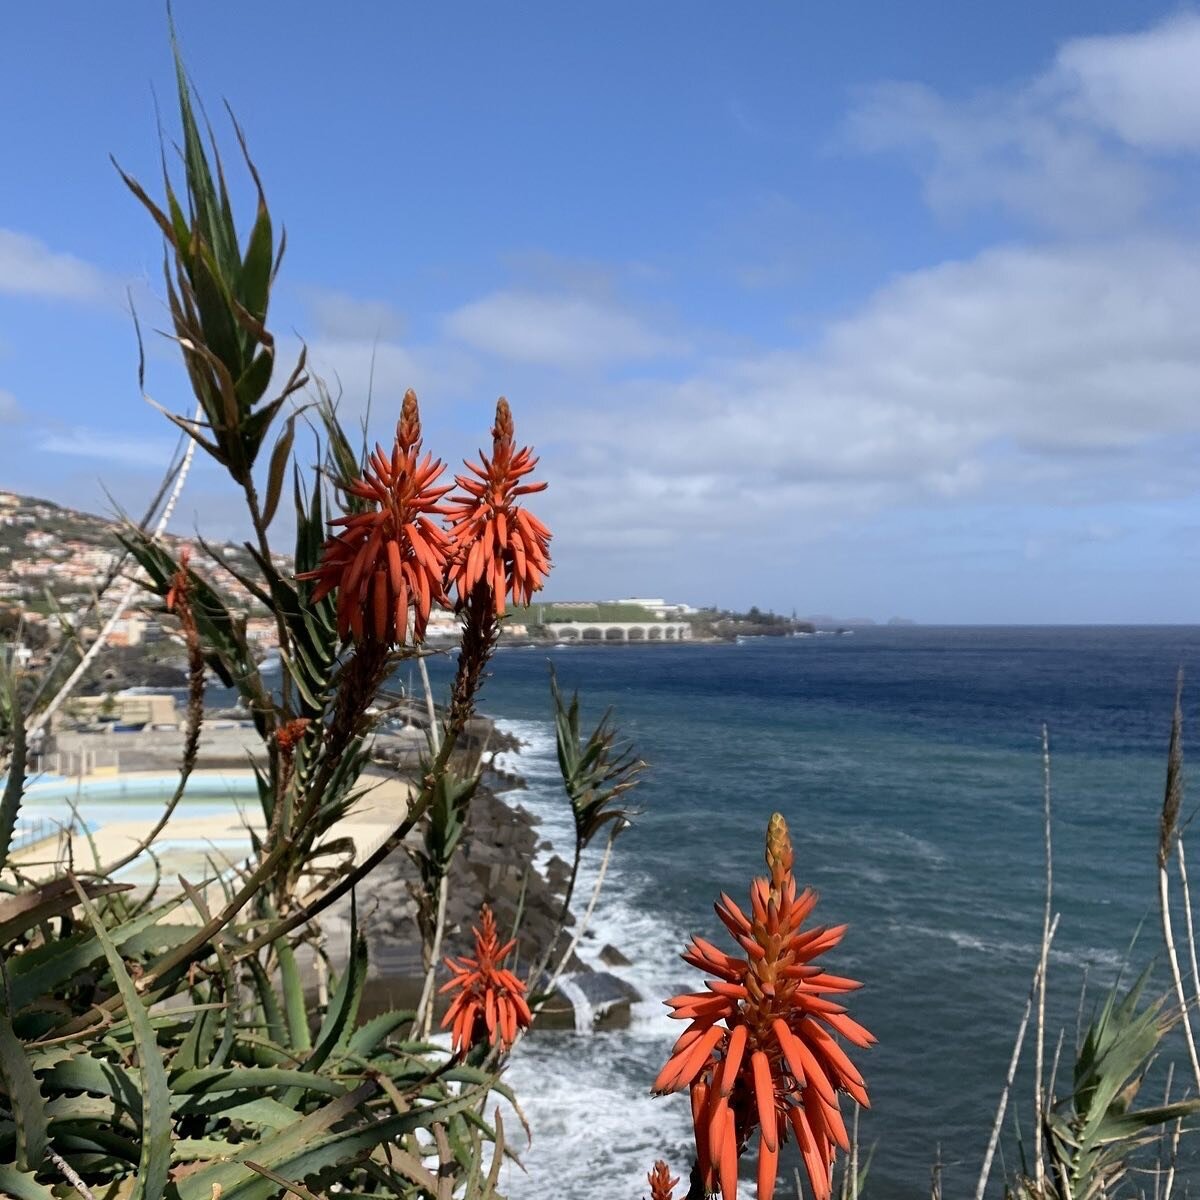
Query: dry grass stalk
[[587, 916], [994, 1140], [1187, 913], [1040, 1045], [39, 722], [1172, 803], [854, 1155]]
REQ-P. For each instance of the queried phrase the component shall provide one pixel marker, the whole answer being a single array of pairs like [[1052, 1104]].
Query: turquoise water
[[54, 802], [908, 764]]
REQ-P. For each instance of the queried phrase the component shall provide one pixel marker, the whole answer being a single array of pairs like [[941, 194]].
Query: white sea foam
[[1102, 957], [596, 1128], [585, 1014]]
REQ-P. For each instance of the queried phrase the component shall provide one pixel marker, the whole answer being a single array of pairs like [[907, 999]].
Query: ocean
[[908, 764]]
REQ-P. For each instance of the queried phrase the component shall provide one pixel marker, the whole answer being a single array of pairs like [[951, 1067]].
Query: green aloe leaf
[[338, 1025], [596, 772], [306, 1150], [206, 1081], [21, 1185], [155, 1161], [86, 1073], [28, 909], [48, 968], [368, 1037], [25, 1096], [257, 266]]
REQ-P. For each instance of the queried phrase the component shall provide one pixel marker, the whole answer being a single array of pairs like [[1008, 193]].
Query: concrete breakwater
[[493, 866]]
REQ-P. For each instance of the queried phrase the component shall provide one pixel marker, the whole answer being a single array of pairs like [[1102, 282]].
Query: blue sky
[[869, 309]]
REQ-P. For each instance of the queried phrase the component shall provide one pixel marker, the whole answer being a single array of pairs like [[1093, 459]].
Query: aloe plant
[[1093, 1134], [159, 1046]]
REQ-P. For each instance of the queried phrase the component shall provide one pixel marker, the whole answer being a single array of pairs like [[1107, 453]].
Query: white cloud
[[1076, 149], [1145, 86], [338, 316], [9, 408], [1060, 375], [556, 330], [1005, 152], [81, 442], [28, 267], [384, 370]]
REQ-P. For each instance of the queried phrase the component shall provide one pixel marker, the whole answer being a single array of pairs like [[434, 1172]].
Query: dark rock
[[612, 957], [606, 998], [493, 867]]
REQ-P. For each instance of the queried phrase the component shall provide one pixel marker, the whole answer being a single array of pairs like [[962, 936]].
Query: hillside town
[[55, 562]]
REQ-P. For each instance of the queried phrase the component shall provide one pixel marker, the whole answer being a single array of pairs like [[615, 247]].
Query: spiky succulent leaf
[[595, 771], [24, 1098], [14, 784], [155, 1133]]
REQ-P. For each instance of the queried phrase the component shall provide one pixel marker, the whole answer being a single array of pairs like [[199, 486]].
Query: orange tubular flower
[[490, 1000], [391, 556], [773, 1065], [498, 542], [662, 1186]]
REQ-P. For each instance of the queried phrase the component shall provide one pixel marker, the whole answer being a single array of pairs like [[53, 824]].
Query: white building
[[658, 606]]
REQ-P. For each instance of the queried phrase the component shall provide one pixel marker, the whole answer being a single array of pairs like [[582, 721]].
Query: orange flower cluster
[[662, 1186], [287, 737], [490, 999], [757, 1053], [392, 557], [497, 540]]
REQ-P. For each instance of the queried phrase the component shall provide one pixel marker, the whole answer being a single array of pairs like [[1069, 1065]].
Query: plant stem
[[69, 1174], [587, 916], [994, 1139], [1164, 904], [1039, 1167], [39, 722], [1187, 912], [195, 720], [1174, 1160], [264, 548], [466, 685], [561, 919], [425, 1004], [854, 1157]]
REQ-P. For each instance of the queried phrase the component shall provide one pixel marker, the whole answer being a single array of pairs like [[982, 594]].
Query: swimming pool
[[53, 803]]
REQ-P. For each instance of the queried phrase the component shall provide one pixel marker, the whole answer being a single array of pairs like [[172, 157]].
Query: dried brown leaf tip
[[1173, 795]]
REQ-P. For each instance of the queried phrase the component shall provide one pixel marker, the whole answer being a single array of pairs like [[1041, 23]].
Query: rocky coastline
[[495, 865]]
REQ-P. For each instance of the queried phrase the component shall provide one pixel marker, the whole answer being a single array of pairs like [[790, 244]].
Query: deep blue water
[[908, 764]]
